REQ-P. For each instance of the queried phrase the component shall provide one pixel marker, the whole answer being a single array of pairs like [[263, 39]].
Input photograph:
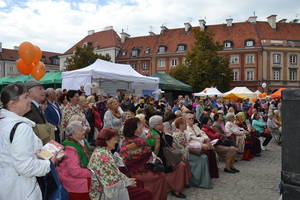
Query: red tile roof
[[238, 33], [12, 55], [102, 39], [283, 31]]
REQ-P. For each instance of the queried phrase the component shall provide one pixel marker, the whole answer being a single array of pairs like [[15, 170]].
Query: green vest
[[84, 160]]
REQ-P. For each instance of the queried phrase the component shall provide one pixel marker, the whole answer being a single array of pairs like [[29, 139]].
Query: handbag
[[54, 190], [267, 131], [156, 166], [173, 156]]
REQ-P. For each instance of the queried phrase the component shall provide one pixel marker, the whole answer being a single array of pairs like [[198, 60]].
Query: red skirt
[[79, 196]]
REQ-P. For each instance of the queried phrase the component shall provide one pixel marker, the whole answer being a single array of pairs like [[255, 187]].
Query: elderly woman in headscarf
[[108, 177]]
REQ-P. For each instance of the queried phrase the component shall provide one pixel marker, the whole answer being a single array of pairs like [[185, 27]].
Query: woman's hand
[[132, 181]]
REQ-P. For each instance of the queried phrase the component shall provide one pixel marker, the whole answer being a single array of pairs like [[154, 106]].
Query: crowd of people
[[125, 146]]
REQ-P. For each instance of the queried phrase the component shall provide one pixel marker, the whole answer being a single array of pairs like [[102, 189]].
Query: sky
[[56, 25]]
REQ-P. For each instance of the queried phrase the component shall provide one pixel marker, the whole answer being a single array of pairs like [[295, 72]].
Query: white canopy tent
[[257, 92], [209, 92], [109, 77], [242, 92]]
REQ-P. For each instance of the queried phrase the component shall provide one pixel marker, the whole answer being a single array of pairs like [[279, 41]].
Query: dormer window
[[249, 43], [135, 52], [124, 53], [228, 44], [147, 51], [181, 47], [162, 49]]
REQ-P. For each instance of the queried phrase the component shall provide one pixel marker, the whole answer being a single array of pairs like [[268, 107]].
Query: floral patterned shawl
[[112, 180]]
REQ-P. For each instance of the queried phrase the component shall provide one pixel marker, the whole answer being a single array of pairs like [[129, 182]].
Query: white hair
[[229, 115], [140, 116], [155, 120], [72, 126]]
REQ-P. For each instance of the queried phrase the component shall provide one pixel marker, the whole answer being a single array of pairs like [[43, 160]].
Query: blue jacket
[[51, 115]]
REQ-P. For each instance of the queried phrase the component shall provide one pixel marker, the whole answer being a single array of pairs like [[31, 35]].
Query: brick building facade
[[259, 51]]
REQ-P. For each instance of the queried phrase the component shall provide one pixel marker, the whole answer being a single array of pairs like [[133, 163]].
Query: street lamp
[[264, 86]]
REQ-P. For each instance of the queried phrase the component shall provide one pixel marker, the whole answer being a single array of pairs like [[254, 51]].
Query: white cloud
[[56, 25], [2, 4]]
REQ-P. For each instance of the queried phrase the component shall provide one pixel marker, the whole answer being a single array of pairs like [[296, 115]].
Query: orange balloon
[[38, 71], [26, 52], [253, 99], [24, 68], [37, 54]]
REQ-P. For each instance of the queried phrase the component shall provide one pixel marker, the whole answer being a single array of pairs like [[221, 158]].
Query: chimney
[[229, 22], [272, 21], [124, 36], [252, 19], [282, 21], [108, 28], [163, 29], [91, 32], [202, 23], [187, 27], [0, 47], [151, 33]]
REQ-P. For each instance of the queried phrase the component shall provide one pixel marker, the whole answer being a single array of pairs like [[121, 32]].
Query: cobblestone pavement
[[258, 180]]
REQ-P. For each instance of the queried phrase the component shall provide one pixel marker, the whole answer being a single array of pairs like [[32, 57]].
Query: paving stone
[[258, 180]]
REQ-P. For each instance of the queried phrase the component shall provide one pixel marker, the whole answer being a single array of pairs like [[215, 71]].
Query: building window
[[43, 59], [276, 58], [174, 62], [227, 44], [133, 66], [124, 53], [234, 59], [181, 47], [235, 75], [249, 43], [162, 49], [250, 76], [293, 75], [276, 74], [161, 62], [135, 53], [147, 51], [293, 59], [145, 66], [250, 59], [11, 69]]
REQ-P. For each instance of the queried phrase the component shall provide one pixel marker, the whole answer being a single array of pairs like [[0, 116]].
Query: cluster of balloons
[[262, 95], [29, 61]]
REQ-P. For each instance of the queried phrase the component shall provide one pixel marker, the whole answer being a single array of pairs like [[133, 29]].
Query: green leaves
[[204, 67], [83, 57]]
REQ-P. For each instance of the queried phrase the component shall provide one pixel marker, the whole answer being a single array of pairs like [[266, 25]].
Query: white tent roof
[[111, 71], [242, 92], [257, 92], [209, 92]]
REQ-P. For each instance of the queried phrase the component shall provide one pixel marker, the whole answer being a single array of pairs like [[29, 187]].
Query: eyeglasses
[[191, 118]]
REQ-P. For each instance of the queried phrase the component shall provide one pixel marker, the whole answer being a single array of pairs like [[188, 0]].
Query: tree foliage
[[203, 66], [84, 56]]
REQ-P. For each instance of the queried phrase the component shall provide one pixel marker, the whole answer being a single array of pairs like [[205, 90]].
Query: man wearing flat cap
[[42, 129]]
